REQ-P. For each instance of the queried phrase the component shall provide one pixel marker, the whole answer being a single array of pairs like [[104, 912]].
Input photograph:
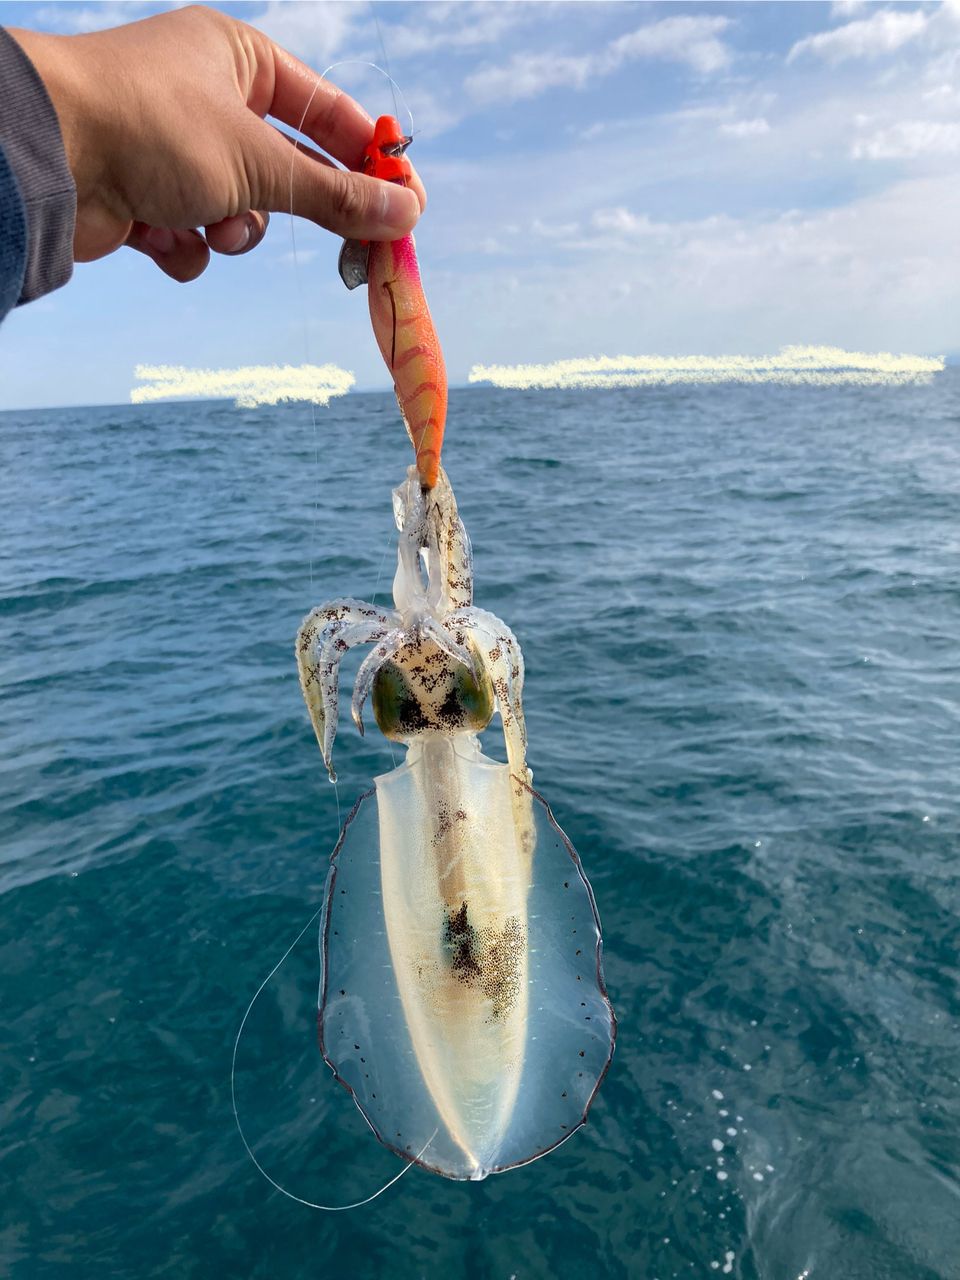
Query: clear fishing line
[[310, 1204]]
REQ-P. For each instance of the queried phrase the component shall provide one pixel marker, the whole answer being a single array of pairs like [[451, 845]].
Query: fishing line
[[383, 560], [310, 1204], [386, 63]]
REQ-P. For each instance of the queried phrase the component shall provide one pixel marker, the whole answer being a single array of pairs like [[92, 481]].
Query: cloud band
[[792, 366], [248, 387]]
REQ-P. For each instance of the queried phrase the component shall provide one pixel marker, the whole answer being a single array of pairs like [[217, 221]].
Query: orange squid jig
[[399, 313]]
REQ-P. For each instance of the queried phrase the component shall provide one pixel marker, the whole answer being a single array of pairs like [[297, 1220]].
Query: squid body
[[462, 1000]]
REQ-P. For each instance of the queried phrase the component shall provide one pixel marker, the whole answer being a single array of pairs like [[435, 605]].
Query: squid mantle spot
[[488, 959]]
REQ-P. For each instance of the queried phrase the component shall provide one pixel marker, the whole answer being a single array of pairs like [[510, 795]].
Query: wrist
[[32, 142], [81, 91], [64, 78]]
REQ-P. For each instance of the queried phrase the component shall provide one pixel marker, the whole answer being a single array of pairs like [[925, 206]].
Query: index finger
[[316, 107]]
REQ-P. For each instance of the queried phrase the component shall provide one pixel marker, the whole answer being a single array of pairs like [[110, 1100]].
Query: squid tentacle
[[332, 650], [452, 543], [502, 657], [505, 660], [325, 635], [441, 636], [347, 610]]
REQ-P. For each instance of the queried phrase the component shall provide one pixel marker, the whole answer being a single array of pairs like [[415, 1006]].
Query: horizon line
[[950, 360]]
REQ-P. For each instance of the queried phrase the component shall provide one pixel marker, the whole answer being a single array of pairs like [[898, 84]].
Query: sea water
[[740, 612]]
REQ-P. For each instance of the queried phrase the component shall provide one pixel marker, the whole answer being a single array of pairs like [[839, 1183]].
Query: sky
[[603, 179]]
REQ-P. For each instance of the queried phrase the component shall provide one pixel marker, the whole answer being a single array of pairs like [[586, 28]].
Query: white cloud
[[81, 18], [847, 8], [527, 75], [942, 95], [790, 366], [620, 221], [691, 41], [619, 227], [910, 139], [739, 115], [754, 128], [463, 25], [875, 273], [553, 230], [248, 387], [432, 115], [314, 30], [884, 32], [586, 132]]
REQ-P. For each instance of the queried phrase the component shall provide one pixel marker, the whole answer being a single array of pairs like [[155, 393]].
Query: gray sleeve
[[32, 145], [13, 238]]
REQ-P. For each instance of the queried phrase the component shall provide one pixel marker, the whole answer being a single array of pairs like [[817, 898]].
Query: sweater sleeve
[[13, 237], [38, 198]]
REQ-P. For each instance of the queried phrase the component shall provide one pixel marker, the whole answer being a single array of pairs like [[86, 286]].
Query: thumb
[[299, 180]]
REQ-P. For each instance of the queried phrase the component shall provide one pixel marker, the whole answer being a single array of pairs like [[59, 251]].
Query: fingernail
[[159, 239], [243, 238], [399, 207]]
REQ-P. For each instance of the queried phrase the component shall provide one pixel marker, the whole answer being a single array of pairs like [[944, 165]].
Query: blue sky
[[603, 179]]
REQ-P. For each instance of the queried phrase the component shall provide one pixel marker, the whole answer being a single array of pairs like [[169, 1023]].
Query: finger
[[287, 89], [316, 107], [349, 204], [239, 234], [417, 187], [182, 255], [414, 184]]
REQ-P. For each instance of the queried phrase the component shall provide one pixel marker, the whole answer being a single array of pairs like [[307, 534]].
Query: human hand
[[164, 131]]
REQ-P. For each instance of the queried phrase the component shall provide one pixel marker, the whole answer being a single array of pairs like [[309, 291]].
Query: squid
[[462, 1000]]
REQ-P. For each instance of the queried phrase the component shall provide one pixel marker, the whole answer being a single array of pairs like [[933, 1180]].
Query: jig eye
[[396, 149]]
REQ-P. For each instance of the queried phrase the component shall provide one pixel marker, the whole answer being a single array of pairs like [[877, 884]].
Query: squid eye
[[412, 696], [473, 698], [395, 705]]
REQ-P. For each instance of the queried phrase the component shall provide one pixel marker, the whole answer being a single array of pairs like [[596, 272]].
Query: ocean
[[740, 612]]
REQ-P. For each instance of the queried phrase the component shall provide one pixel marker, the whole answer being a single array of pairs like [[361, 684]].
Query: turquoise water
[[740, 610]]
